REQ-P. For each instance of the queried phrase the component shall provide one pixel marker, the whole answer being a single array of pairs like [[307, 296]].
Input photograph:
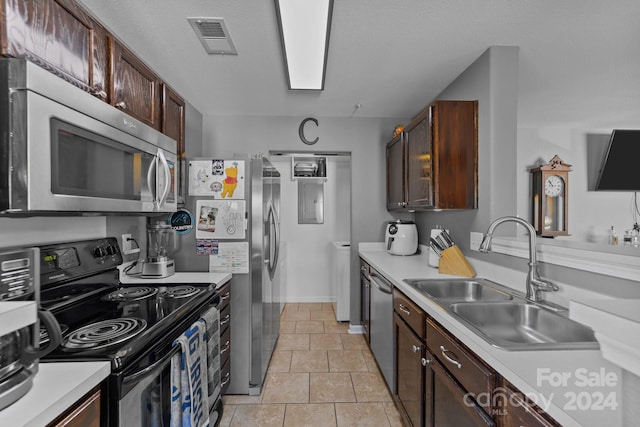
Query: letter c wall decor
[[301, 131]]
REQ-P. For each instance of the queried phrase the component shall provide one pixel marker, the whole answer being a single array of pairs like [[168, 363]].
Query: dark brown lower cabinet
[[517, 410], [452, 406], [409, 377]]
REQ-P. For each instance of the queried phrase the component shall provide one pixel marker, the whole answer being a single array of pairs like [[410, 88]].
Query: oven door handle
[[136, 377]]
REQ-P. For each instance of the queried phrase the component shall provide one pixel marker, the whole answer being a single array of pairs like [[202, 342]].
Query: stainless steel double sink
[[504, 318]]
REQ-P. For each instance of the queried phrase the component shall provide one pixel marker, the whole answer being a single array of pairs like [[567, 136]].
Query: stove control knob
[[99, 252], [111, 250]]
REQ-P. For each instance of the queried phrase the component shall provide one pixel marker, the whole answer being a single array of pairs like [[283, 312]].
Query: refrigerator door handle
[[273, 257]]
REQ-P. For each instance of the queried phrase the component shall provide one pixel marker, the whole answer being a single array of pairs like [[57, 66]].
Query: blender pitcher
[[161, 243]]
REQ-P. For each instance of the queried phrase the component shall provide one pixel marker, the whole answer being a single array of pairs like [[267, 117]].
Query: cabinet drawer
[[225, 346], [225, 377], [409, 311], [466, 367], [225, 319]]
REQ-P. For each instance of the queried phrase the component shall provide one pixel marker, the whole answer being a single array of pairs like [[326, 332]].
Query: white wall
[[308, 262], [591, 213], [365, 138]]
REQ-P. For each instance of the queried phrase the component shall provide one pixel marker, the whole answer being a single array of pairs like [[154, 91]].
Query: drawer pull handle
[[225, 296], [425, 361], [454, 361], [404, 309], [121, 105], [225, 320], [226, 347], [225, 380], [416, 348]]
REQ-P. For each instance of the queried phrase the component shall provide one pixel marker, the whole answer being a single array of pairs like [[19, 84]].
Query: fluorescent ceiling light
[[304, 31]]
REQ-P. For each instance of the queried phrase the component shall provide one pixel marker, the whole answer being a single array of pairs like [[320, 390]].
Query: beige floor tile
[[293, 342], [310, 327], [325, 342], [370, 387], [287, 326], [331, 387], [291, 315], [227, 415], [322, 315], [309, 361], [354, 342], [392, 414], [291, 306], [372, 366], [240, 399], [310, 414], [361, 414], [346, 361], [334, 327], [286, 388], [327, 306], [309, 306], [258, 416], [280, 361]]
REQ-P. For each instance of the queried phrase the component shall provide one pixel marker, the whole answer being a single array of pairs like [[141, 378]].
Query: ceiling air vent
[[214, 35]]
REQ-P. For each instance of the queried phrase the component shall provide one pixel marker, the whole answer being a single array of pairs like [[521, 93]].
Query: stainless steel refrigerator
[[255, 294]]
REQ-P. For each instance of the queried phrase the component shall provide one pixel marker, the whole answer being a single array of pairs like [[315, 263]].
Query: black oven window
[[87, 164]]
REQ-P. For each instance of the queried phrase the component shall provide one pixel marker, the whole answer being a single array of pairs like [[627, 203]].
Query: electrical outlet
[[475, 239], [126, 244]]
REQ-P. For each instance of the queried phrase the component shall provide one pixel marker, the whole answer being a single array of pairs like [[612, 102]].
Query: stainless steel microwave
[[63, 151]]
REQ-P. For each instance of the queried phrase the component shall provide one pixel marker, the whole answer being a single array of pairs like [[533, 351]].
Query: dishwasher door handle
[[381, 285]]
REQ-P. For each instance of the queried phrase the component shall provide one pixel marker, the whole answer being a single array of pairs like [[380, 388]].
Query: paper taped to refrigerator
[[232, 257], [221, 219], [221, 179]]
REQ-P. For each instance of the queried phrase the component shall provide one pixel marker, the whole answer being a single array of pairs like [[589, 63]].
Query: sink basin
[[459, 289], [518, 325]]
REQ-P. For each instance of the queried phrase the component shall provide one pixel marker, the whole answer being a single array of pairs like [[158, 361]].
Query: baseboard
[[356, 329]]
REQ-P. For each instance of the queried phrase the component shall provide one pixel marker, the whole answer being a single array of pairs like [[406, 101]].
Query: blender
[[160, 243]]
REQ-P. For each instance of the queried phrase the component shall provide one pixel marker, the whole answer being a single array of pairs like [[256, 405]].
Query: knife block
[[454, 262]]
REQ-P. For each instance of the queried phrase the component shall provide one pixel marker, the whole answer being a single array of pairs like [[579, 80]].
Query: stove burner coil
[[104, 334], [179, 291], [134, 293]]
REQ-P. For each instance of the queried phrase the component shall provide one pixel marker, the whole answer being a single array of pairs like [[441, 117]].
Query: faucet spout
[[535, 285]]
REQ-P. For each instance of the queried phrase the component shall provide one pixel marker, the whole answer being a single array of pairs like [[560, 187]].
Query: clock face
[[553, 186]]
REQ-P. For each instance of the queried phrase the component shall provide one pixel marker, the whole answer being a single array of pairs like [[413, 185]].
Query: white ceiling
[[579, 59]]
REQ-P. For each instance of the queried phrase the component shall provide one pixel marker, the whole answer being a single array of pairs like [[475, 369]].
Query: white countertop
[[217, 279], [56, 387], [532, 372]]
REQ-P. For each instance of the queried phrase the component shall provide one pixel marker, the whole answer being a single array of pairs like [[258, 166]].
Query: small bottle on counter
[[613, 236], [626, 240]]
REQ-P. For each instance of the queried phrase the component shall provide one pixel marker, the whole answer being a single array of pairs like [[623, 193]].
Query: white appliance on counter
[[401, 237]]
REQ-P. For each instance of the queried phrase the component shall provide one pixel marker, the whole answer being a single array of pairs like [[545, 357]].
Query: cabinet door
[[419, 164], [85, 413], [409, 375], [395, 174], [365, 292], [173, 115], [455, 154], [451, 405], [59, 36], [135, 88]]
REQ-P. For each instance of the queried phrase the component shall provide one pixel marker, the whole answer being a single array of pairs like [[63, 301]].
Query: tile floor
[[319, 376]]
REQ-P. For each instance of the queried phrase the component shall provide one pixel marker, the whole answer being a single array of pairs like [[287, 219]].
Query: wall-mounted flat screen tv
[[620, 170]]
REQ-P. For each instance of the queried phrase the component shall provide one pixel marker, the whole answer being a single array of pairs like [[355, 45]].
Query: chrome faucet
[[535, 284]]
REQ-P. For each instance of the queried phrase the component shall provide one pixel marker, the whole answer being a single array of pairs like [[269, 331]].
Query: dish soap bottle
[[613, 236]]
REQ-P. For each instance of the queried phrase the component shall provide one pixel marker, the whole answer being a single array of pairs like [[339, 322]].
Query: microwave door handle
[[152, 168], [167, 184]]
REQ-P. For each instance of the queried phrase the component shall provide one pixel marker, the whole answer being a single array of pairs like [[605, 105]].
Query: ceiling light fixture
[[304, 31]]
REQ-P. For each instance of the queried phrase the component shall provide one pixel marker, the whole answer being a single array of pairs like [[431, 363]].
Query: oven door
[[144, 391], [73, 162]]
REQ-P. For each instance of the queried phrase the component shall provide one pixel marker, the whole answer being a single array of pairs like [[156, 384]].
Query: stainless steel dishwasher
[[381, 329]]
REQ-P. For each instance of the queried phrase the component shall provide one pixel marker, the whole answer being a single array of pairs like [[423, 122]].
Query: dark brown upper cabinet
[[173, 116], [135, 89], [433, 165], [59, 36]]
